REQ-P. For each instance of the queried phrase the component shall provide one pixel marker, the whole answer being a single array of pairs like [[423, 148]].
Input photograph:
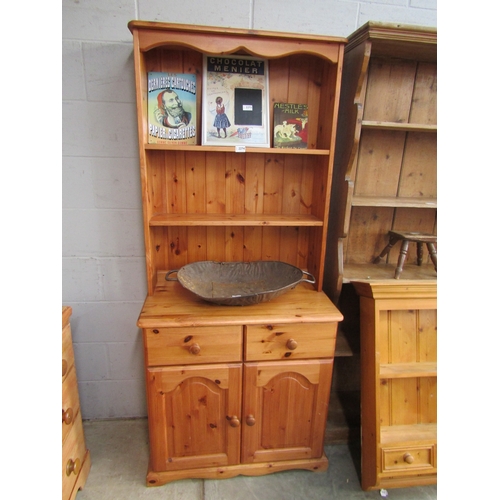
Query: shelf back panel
[[369, 228], [185, 182], [177, 246]]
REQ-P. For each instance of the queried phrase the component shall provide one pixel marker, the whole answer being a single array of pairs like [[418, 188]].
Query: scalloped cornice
[[225, 41]]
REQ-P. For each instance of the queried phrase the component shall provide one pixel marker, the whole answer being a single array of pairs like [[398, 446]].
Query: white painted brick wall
[[103, 271]]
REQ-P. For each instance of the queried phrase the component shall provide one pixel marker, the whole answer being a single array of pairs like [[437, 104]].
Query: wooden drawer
[[73, 455], [193, 345], [410, 458], [68, 358], [290, 341], [70, 402]]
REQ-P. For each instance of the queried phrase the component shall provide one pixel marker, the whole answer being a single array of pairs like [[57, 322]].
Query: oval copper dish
[[239, 283]]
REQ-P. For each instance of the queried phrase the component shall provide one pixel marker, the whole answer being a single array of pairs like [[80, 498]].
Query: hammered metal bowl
[[239, 283]]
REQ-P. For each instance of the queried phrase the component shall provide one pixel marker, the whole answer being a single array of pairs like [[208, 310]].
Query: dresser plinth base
[[404, 482], [261, 469]]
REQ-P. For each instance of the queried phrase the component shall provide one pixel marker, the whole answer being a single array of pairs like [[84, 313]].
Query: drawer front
[[408, 458], [68, 358], [73, 454], [70, 402], [193, 345], [290, 341]]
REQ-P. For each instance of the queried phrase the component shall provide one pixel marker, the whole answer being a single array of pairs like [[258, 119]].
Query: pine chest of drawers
[[75, 456]]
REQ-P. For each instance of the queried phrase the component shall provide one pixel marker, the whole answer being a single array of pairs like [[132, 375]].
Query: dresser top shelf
[[174, 306]]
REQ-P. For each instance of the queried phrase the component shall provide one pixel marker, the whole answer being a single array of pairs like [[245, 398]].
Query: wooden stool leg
[[402, 258], [420, 253], [433, 253], [385, 251]]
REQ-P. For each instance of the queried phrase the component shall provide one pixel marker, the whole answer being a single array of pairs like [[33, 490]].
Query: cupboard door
[[194, 416], [285, 409]]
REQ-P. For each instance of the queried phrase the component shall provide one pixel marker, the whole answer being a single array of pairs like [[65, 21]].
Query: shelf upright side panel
[[354, 74], [330, 76], [142, 120], [370, 392], [336, 81]]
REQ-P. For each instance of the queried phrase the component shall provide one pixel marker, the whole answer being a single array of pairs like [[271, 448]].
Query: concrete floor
[[119, 453]]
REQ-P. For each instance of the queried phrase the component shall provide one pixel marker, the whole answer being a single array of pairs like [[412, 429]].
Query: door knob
[[234, 421], [250, 420], [73, 466], [194, 349], [67, 416]]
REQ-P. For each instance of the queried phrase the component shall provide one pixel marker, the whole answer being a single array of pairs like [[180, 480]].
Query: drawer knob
[[194, 349], [67, 416], [64, 367], [73, 466], [234, 421], [408, 458], [291, 344], [250, 420]]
